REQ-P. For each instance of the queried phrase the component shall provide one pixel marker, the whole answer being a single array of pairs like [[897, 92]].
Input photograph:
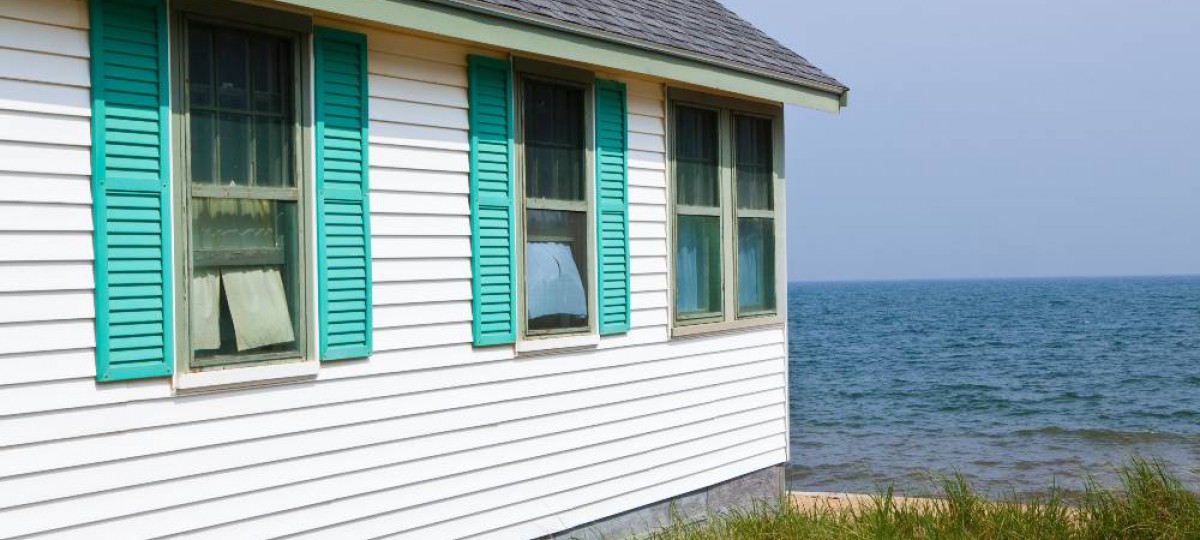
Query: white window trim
[[556, 343], [244, 376], [729, 321]]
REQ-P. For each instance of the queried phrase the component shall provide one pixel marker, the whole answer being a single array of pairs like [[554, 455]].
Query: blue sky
[[994, 138]]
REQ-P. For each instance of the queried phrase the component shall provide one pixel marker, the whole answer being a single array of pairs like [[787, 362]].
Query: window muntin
[[556, 268], [245, 286], [724, 167], [754, 175], [698, 278]]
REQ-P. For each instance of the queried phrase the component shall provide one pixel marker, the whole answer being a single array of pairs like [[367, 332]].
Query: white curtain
[[554, 281], [258, 306], [206, 309]]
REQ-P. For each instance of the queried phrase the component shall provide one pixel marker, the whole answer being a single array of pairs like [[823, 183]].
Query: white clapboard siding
[[428, 438]]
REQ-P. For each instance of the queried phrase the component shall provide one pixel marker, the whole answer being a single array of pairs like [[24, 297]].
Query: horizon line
[[988, 278]]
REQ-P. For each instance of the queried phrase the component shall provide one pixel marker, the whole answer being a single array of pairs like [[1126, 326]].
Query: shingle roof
[[703, 27]]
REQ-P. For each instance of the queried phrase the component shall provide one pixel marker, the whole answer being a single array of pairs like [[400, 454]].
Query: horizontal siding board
[[70, 13], [408, 292], [386, 202], [37, 37], [646, 125], [25, 368], [429, 159], [45, 276], [39, 97], [418, 91], [30, 337], [418, 225], [44, 158], [420, 69], [420, 270], [45, 188], [46, 306], [44, 68], [36, 246], [422, 114], [418, 136], [45, 217]]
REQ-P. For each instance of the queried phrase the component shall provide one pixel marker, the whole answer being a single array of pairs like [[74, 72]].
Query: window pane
[[271, 157], [756, 265], [200, 65], [696, 157], [697, 266], [232, 60], [269, 61], [554, 138], [244, 278], [556, 270], [233, 141], [202, 149], [752, 162]]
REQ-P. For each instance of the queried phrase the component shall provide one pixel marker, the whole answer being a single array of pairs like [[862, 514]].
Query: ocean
[[1017, 384]]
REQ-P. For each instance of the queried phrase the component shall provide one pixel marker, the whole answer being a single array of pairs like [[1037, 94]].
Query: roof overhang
[[526, 33]]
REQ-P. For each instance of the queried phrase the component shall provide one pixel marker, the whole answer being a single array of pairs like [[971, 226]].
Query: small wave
[[1105, 435]]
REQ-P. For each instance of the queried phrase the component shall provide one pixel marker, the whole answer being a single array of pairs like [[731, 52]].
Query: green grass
[[1147, 503]]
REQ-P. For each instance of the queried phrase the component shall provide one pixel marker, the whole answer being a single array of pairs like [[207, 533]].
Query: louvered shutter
[[343, 216], [130, 193], [493, 283], [612, 207]]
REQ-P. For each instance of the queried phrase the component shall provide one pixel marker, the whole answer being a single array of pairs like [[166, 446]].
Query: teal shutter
[[612, 207], [130, 195], [343, 215], [493, 283]]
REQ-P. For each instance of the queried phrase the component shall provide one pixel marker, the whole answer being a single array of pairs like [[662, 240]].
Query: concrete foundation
[[764, 486]]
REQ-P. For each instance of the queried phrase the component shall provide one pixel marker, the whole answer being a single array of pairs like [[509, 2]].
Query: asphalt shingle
[[704, 27]]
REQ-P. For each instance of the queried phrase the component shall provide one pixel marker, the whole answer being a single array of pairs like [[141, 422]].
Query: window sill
[[686, 330], [554, 344], [222, 379]]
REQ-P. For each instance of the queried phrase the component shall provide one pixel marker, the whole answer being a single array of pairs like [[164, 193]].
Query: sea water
[[1017, 384]]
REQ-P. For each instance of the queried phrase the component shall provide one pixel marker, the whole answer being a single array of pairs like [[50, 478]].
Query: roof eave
[[470, 21]]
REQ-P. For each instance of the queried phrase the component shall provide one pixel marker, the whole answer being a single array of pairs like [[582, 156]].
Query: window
[[557, 206], [245, 271], [724, 168]]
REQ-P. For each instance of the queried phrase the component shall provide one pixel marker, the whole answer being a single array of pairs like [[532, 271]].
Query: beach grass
[[1147, 502]]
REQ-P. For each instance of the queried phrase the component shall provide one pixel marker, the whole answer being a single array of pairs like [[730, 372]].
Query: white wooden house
[[390, 268]]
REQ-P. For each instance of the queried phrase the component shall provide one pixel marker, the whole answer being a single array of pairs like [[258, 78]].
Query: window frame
[[256, 368], [528, 69], [727, 108]]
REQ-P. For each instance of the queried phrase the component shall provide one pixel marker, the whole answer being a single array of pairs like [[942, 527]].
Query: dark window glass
[[753, 162], [200, 66], [696, 157], [554, 140], [203, 151]]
